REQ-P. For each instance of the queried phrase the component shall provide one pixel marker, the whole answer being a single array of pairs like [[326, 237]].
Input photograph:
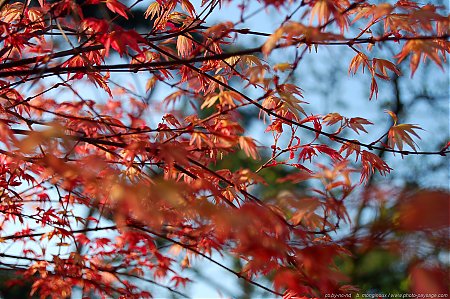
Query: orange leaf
[[400, 134], [153, 10], [249, 146], [357, 123], [426, 48], [359, 59], [184, 45], [332, 118], [381, 65], [370, 163]]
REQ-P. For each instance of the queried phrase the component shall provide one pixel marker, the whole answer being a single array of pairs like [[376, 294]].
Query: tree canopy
[[128, 147]]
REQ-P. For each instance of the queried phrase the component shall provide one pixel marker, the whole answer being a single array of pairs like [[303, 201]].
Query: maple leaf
[[370, 163], [324, 9], [373, 88], [332, 118], [184, 45], [350, 147], [328, 151], [209, 102], [357, 123], [400, 134], [381, 65], [199, 138], [249, 146], [120, 39], [359, 59], [276, 126], [226, 98], [307, 153], [171, 119], [255, 74], [153, 10], [180, 280], [374, 12], [117, 7], [426, 48], [293, 32], [392, 115], [292, 103], [12, 12], [187, 6], [305, 207], [100, 81]]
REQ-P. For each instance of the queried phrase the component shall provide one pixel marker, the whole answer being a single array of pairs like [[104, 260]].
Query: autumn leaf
[[187, 6], [180, 280], [381, 65], [325, 9], [332, 118], [400, 134], [249, 146], [117, 7], [276, 126], [292, 103], [350, 147], [11, 12], [333, 154], [150, 83], [225, 98], [272, 41], [322, 9], [184, 45], [153, 10], [373, 88], [357, 123], [294, 32], [171, 119], [430, 49], [305, 207], [375, 12], [360, 59], [370, 163], [209, 102], [307, 153]]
